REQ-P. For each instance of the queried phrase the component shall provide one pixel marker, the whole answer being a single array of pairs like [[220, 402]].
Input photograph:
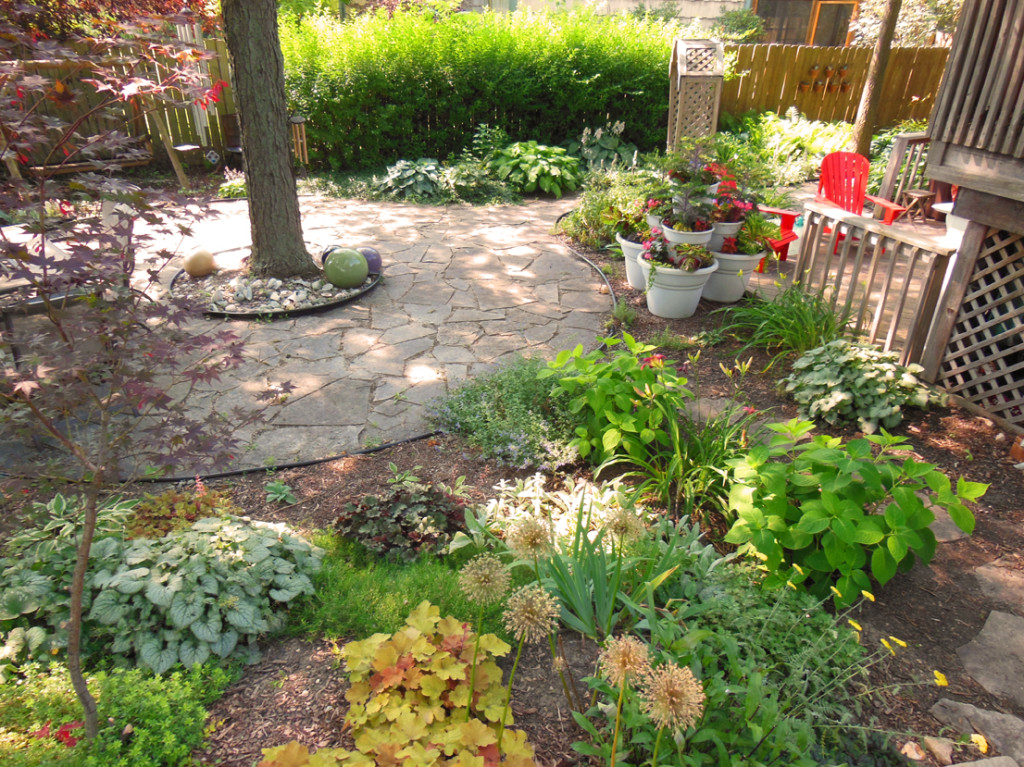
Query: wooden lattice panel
[[695, 89], [984, 357]]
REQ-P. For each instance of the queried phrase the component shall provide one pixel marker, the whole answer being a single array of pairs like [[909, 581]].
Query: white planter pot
[[713, 189], [634, 274], [729, 283], [653, 221], [673, 293], [689, 238], [721, 231]]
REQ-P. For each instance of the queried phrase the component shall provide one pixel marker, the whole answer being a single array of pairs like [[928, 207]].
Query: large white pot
[[653, 221], [673, 293], [721, 231], [687, 238], [729, 283], [631, 252]]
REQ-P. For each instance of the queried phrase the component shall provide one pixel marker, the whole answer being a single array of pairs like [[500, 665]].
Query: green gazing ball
[[346, 268]]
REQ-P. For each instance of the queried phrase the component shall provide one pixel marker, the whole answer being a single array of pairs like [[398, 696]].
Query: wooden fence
[[826, 83]]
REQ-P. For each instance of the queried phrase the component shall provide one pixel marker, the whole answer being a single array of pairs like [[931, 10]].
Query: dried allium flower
[[673, 697], [531, 613], [528, 537], [484, 579], [624, 524], [624, 658], [558, 665]]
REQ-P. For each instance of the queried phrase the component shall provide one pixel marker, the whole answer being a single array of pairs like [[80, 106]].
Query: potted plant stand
[[672, 293], [631, 252], [729, 282]]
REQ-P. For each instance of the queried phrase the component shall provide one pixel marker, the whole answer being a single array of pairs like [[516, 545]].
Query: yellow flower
[[888, 646], [790, 584], [900, 642], [798, 568], [940, 679], [854, 623], [868, 595], [672, 697], [624, 658], [980, 742], [835, 591]]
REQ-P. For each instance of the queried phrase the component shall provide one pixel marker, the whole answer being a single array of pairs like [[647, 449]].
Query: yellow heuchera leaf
[[405, 639], [467, 760], [447, 667], [369, 739], [493, 645], [378, 703], [359, 655], [358, 692], [386, 657], [486, 675], [419, 755], [292, 754], [516, 749], [431, 712], [424, 618], [432, 686], [331, 757], [451, 627], [491, 703], [407, 728], [459, 697], [475, 734], [422, 648]]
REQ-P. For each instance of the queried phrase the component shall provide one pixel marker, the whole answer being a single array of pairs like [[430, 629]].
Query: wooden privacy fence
[[826, 83], [887, 281]]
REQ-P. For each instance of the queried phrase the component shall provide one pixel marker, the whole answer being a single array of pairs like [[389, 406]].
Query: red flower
[[655, 362]]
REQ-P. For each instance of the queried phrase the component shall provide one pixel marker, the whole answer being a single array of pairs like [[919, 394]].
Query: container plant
[[727, 216], [675, 275], [737, 258], [629, 225]]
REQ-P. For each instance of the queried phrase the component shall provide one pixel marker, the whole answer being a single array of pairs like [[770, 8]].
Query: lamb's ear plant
[[846, 381], [829, 516]]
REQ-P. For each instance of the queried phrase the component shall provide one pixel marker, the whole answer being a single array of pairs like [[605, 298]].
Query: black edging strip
[[282, 313]]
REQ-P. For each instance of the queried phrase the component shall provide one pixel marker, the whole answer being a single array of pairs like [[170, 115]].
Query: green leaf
[[970, 491], [883, 566], [962, 517], [107, 608], [611, 440], [154, 655], [184, 609], [191, 654]]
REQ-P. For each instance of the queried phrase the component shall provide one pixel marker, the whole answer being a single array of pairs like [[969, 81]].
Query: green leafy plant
[[407, 520], [409, 698], [176, 509], [847, 381], [411, 179], [827, 514], [532, 167], [146, 720], [511, 416], [623, 400], [280, 492], [210, 590], [610, 203], [234, 185], [603, 148], [789, 324]]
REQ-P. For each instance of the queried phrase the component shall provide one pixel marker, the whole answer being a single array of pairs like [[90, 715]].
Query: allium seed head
[[673, 697], [624, 658], [528, 538], [484, 579], [531, 613], [624, 524]]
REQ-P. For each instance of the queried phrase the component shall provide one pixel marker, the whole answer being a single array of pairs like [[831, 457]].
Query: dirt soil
[[297, 690]]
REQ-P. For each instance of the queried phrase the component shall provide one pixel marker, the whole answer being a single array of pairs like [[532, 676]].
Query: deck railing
[[886, 280]]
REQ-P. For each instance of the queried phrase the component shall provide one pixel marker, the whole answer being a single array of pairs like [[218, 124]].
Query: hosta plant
[[211, 590], [410, 700], [830, 516], [532, 167], [844, 381], [411, 178]]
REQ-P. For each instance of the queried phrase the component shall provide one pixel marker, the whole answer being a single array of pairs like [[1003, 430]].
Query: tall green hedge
[[376, 89]]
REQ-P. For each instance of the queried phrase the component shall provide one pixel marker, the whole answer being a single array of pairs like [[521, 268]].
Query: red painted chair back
[[844, 181]]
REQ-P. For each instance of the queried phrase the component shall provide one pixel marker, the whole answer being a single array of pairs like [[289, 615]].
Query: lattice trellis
[[695, 89], [984, 357]]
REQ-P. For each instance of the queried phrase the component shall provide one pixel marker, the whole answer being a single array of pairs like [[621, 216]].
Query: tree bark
[[250, 30], [867, 112], [75, 623]]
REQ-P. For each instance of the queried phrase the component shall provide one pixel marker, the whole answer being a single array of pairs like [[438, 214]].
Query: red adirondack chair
[[844, 181]]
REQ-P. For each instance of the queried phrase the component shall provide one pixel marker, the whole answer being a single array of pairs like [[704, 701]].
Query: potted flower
[[687, 227], [727, 216], [675, 275], [658, 208], [738, 258], [630, 230]]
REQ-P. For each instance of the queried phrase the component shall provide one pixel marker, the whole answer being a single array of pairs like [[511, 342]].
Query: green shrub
[[145, 720], [604, 149], [827, 514], [791, 323], [235, 185], [177, 509], [380, 87], [606, 199], [210, 590], [510, 416], [408, 179], [534, 168], [845, 381]]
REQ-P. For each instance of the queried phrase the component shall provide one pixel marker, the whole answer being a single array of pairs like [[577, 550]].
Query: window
[[807, 22]]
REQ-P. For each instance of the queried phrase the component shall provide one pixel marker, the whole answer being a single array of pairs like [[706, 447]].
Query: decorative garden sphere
[[346, 268], [373, 259], [199, 263], [328, 250]]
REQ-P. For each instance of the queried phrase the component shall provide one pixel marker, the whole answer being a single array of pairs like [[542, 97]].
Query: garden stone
[[995, 658], [995, 761], [1000, 582], [940, 748], [1003, 731]]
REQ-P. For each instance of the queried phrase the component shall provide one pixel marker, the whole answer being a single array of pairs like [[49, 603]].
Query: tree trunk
[[75, 623], [250, 29], [867, 112]]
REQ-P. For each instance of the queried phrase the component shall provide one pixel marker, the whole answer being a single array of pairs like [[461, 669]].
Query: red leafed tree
[[60, 18]]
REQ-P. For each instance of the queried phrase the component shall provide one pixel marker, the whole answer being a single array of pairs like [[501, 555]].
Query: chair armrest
[[892, 209], [788, 217]]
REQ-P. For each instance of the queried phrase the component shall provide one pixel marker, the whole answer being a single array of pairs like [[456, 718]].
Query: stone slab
[[1003, 731], [1002, 584], [995, 658]]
